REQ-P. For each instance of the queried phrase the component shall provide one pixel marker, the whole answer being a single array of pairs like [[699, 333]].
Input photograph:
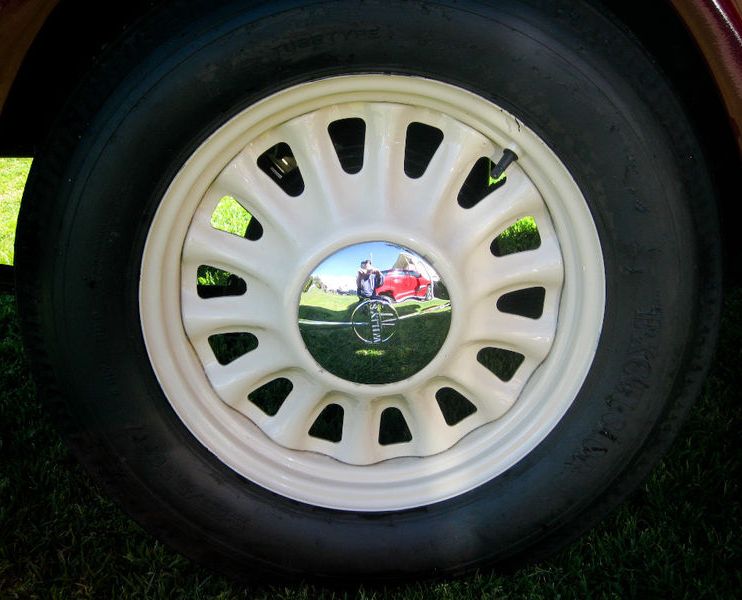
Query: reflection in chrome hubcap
[[374, 321]]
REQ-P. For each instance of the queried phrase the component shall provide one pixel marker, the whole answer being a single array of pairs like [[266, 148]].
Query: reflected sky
[[348, 260]]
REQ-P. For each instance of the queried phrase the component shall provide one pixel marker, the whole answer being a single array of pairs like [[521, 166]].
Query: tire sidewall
[[591, 116]]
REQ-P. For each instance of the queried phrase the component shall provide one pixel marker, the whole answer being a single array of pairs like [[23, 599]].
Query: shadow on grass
[[319, 313]]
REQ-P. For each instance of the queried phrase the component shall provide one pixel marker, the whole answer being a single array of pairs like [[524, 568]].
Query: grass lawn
[[13, 173], [317, 305], [677, 537]]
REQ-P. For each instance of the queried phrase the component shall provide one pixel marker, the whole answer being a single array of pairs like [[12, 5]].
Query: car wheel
[[584, 291]]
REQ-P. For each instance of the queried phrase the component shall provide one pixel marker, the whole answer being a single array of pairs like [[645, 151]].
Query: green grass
[[211, 276], [229, 216], [317, 305], [13, 174], [521, 235]]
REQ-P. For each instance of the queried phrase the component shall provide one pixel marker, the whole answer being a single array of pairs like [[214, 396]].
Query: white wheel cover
[[358, 473]]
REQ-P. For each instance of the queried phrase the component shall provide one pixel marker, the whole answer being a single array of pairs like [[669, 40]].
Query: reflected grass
[[337, 348]]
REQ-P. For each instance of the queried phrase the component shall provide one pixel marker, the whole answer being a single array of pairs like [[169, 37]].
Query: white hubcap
[[336, 209]]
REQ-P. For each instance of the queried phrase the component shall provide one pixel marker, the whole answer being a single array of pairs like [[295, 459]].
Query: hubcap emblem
[[374, 321]]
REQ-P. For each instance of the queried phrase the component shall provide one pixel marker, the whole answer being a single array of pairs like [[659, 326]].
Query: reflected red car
[[402, 284]]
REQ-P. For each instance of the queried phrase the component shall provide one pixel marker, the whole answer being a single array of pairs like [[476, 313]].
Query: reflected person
[[368, 280]]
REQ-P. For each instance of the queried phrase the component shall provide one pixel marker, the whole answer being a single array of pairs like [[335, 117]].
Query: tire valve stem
[[508, 157]]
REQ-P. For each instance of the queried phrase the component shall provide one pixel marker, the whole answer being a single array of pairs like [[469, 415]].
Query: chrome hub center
[[374, 312]]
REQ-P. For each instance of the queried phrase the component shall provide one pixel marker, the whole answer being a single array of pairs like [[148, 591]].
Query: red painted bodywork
[[716, 26], [401, 285], [20, 22]]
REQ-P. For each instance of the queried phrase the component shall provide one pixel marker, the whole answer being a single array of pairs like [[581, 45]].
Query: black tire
[[566, 71]]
